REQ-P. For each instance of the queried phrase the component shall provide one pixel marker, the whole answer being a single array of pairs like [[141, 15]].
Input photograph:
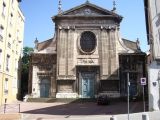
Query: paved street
[[81, 110]]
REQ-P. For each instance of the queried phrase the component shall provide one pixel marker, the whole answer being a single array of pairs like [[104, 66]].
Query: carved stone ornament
[[85, 11], [43, 59]]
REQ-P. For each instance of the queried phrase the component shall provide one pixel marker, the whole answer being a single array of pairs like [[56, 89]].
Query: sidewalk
[[77, 111], [14, 116], [135, 116]]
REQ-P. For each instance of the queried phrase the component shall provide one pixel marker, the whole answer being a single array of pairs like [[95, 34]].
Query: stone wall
[[43, 67]]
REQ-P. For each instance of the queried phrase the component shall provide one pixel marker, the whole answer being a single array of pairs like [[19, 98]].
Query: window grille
[[88, 41]]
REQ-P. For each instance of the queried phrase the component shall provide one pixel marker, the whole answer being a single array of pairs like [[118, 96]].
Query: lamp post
[[128, 85], [126, 70]]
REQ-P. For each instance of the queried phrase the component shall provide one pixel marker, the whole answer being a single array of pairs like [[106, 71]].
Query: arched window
[[87, 41]]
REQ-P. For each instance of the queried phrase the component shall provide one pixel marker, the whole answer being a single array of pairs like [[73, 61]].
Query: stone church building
[[86, 57]]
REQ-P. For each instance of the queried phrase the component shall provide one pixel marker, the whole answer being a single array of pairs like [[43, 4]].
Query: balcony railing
[[9, 45]]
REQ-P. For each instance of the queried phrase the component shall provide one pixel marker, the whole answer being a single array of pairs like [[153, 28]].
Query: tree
[[25, 70]]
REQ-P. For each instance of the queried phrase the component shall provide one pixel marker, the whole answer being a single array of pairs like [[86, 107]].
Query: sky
[[38, 22]]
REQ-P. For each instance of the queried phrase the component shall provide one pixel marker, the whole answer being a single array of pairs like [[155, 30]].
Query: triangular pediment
[[86, 10], [89, 9]]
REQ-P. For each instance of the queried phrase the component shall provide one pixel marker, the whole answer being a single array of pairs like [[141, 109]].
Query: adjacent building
[[152, 13], [11, 46], [86, 57]]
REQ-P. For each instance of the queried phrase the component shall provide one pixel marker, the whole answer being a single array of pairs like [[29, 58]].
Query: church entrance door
[[44, 88], [88, 82]]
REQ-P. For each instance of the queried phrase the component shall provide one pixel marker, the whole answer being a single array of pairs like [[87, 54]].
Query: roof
[[88, 9], [52, 43], [45, 44], [131, 45]]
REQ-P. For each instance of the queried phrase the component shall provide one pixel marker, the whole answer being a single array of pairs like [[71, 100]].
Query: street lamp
[[127, 71], [128, 83], [128, 94]]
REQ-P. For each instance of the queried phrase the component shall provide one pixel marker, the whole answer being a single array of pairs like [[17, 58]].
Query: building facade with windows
[[86, 57], [152, 13], [11, 46]]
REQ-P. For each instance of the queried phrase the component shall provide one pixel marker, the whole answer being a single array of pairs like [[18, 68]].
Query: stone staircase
[[63, 100], [41, 100]]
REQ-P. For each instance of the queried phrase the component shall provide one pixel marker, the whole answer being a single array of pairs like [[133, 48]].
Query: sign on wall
[[143, 81], [87, 61]]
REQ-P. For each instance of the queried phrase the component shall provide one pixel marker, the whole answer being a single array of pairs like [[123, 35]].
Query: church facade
[[86, 57]]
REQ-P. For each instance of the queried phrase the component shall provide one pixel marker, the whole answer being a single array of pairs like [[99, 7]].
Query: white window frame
[[3, 9], [9, 45], [12, 2], [1, 32], [6, 86], [9, 42], [16, 64], [14, 83], [11, 19], [157, 9], [7, 62]]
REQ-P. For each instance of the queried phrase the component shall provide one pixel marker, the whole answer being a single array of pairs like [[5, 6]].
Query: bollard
[[145, 116], [113, 118]]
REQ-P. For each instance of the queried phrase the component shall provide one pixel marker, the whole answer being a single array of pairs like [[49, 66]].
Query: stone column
[[104, 53], [70, 55], [112, 50], [53, 86], [62, 51], [35, 82]]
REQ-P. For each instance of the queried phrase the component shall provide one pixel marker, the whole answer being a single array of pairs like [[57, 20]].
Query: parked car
[[103, 100]]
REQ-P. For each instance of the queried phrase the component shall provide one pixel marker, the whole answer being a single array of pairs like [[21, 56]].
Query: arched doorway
[[45, 88]]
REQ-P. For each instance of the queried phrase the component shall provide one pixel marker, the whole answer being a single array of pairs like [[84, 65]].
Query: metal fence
[[10, 108]]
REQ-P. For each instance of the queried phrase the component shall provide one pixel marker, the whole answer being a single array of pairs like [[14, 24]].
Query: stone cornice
[[71, 17], [102, 27]]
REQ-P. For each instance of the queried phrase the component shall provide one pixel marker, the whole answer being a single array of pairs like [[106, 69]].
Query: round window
[[88, 42]]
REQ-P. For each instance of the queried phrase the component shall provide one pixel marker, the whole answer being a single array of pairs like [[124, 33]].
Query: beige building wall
[[11, 46], [152, 12]]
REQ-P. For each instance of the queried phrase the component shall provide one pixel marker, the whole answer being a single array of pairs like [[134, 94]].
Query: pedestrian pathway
[[135, 116], [78, 111], [14, 116]]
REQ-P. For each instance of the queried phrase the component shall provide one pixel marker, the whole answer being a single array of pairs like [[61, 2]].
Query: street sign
[[143, 81]]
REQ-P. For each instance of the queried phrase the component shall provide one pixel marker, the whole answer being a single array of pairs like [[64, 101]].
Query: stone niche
[[66, 89], [65, 86]]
